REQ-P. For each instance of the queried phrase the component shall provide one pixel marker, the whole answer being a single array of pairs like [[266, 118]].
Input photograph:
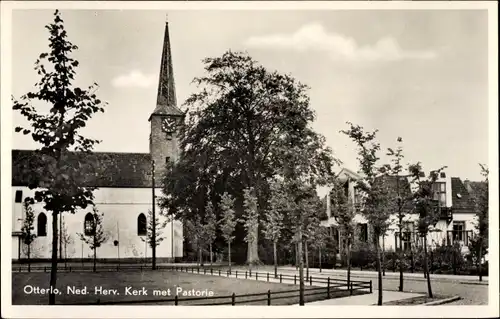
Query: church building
[[124, 192]]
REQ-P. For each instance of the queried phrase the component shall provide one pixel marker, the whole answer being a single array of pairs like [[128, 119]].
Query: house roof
[[112, 169], [461, 199]]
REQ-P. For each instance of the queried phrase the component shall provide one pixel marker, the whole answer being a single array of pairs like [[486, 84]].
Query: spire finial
[[166, 17]]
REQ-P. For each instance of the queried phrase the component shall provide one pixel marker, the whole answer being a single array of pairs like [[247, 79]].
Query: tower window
[[88, 227], [41, 225], [141, 225], [19, 196]]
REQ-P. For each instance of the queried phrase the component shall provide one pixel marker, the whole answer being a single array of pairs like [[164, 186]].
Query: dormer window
[[442, 175]]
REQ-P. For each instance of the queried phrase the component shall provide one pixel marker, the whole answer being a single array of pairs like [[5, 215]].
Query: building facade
[[124, 191], [456, 224]]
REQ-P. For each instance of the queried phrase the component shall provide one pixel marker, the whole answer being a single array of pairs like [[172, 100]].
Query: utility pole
[[172, 236], [153, 231]]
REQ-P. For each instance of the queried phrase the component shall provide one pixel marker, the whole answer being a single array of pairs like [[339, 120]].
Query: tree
[[95, 235], [250, 219], [28, 229], [228, 222], [57, 130], [479, 243], [319, 242], [401, 200], [196, 234], [343, 212], [376, 204], [210, 228], [154, 237], [427, 208], [66, 239], [272, 224], [311, 226], [236, 124]]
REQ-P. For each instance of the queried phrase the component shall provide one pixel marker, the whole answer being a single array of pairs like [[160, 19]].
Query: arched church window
[[141, 225], [41, 228], [88, 227]]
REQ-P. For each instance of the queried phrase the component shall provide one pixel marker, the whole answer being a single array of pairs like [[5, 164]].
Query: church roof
[[113, 170], [166, 102]]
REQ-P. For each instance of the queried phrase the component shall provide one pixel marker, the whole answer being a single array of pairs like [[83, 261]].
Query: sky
[[417, 74]]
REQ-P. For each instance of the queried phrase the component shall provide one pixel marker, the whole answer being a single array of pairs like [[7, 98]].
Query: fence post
[[294, 279], [256, 275], [219, 271], [328, 288], [268, 277], [211, 271], [351, 288], [176, 300], [236, 274], [281, 280], [269, 297], [44, 269], [198, 269], [204, 271], [233, 297], [246, 274], [371, 289], [310, 280]]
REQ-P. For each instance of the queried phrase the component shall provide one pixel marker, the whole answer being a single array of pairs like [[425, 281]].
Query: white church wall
[[121, 208]]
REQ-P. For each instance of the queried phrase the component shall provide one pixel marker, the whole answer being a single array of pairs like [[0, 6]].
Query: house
[[124, 194], [455, 225]]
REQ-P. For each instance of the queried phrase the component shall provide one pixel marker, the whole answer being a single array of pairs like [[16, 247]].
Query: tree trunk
[[383, 255], [253, 248], [200, 257], [296, 256], [53, 269], [301, 270], [29, 260], [479, 260], [95, 258], [306, 252], [400, 255], [379, 270], [319, 253], [348, 257], [426, 268], [211, 256], [275, 260], [229, 256]]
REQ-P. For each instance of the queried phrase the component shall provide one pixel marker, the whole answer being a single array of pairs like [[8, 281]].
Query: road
[[471, 292]]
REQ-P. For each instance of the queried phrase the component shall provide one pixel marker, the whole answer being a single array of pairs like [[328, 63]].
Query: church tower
[[166, 117]]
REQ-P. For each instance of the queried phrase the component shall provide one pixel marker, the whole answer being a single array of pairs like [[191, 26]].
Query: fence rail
[[326, 286]]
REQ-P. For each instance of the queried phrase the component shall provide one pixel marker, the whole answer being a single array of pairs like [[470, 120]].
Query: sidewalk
[[372, 274], [364, 300]]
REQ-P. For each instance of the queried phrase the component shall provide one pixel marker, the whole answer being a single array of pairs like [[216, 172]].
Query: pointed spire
[[166, 102]]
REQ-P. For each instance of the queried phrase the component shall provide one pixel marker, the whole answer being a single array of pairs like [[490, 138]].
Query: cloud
[[134, 78], [314, 37]]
